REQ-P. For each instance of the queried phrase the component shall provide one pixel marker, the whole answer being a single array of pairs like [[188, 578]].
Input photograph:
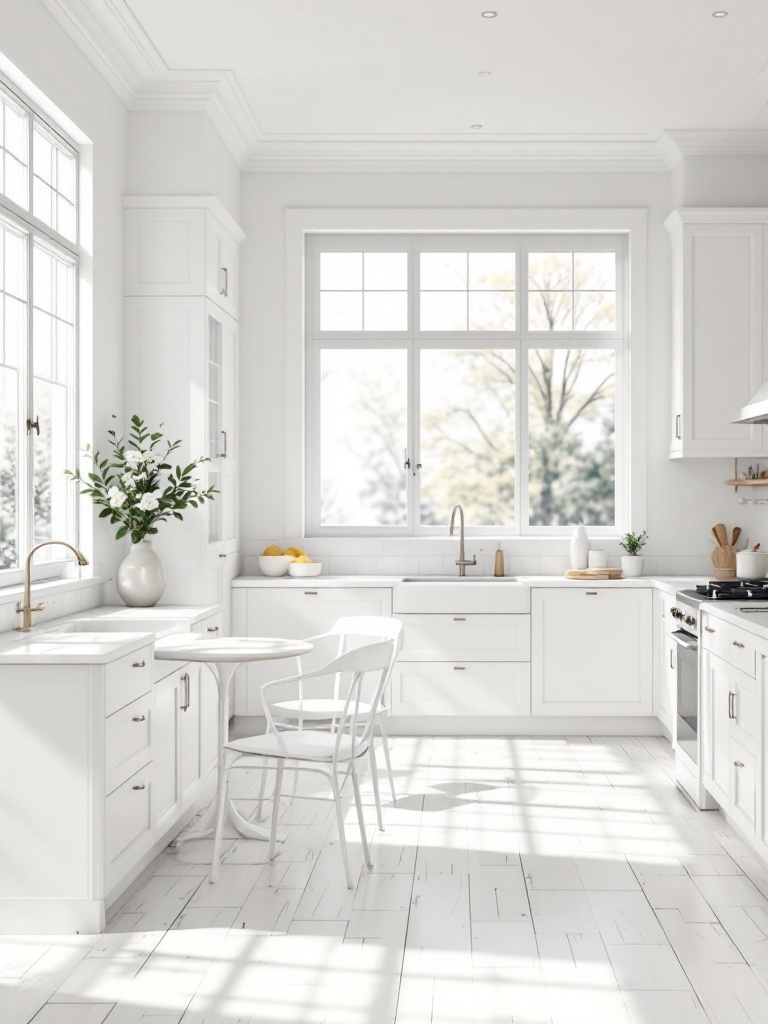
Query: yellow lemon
[[294, 552], [273, 549], [302, 560]]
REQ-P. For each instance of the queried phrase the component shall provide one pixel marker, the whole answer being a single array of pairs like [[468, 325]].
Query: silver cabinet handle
[[225, 290], [731, 711], [738, 764], [310, 593], [184, 706], [224, 449], [139, 664], [140, 786], [590, 593], [670, 658], [212, 629], [459, 668], [139, 718], [737, 644], [459, 619], [678, 427], [708, 629]]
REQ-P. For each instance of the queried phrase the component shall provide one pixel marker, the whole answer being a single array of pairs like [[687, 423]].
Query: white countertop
[[51, 644]]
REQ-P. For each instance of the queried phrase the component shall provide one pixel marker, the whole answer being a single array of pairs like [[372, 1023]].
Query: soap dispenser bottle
[[498, 565]]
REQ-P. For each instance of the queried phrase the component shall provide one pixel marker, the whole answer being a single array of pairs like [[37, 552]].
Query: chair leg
[[342, 836], [382, 723], [279, 769], [360, 819], [262, 791], [375, 778]]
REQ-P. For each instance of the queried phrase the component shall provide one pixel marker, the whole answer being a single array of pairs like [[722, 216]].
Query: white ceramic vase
[[579, 548], [141, 576], [632, 565]]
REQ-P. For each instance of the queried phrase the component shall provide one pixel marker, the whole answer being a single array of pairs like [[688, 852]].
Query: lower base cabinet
[[591, 652], [474, 689]]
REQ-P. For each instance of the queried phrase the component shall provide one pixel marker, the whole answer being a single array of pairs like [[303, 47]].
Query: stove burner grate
[[734, 590]]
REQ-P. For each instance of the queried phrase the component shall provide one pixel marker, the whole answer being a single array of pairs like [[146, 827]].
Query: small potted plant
[[138, 487], [633, 544]]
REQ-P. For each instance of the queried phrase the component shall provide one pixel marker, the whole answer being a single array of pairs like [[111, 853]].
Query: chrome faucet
[[461, 561], [26, 608]]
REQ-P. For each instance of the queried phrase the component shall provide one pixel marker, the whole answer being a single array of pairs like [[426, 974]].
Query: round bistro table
[[224, 656]]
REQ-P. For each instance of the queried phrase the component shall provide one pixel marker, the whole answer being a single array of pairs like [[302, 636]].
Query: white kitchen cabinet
[[719, 328], [293, 613], [465, 689], [591, 651], [466, 637], [664, 661], [743, 788], [222, 263], [716, 702], [166, 744]]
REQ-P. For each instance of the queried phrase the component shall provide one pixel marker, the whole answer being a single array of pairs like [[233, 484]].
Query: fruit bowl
[[275, 565], [305, 568]]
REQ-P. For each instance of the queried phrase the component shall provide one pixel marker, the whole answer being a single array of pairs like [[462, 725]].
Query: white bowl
[[274, 565], [305, 568]]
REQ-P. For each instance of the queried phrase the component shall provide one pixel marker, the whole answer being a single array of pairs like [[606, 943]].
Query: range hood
[[756, 409]]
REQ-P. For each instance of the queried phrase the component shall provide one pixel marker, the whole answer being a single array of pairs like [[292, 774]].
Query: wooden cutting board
[[593, 574]]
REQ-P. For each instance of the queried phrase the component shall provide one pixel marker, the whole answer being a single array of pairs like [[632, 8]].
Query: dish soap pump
[[498, 565], [579, 548]]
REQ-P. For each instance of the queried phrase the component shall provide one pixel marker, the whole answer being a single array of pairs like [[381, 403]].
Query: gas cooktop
[[734, 590]]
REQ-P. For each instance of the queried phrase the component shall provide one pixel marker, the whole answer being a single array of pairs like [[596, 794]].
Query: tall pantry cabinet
[[181, 340]]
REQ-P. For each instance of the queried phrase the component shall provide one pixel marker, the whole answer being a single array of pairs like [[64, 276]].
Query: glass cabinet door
[[214, 427]]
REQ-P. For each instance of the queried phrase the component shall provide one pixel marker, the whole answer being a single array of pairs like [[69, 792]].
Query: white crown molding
[[175, 202], [113, 39]]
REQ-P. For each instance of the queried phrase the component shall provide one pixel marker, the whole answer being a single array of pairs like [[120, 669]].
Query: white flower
[[150, 459], [148, 503], [133, 457], [128, 480], [116, 497]]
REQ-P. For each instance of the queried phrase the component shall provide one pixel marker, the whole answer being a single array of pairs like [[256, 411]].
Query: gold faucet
[[26, 608]]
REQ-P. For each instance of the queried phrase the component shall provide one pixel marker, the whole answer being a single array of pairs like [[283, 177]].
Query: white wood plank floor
[[524, 881]]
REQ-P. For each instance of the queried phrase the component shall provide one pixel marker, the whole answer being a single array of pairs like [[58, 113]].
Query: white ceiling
[[325, 75]]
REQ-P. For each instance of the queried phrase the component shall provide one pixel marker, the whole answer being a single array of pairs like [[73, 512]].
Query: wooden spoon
[[722, 536], [736, 535], [715, 535]]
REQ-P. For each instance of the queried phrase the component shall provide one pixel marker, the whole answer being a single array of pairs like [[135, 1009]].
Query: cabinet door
[[295, 614], [667, 695], [743, 789], [715, 723], [591, 652], [717, 293], [466, 690], [221, 402], [166, 747], [190, 715], [164, 252], [221, 265]]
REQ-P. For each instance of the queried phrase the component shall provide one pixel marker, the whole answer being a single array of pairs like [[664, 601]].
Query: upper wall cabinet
[[182, 245], [718, 329]]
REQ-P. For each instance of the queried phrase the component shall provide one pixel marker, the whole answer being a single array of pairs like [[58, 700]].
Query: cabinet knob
[[140, 786], [737, 644], [738, 764], [139, 718], [139, 664]]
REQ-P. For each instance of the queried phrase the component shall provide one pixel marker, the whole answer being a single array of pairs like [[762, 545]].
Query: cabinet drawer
[[127, 742], [127, 825], [743, 788], [716, 637], [730, 643], [462, 689], [466, 637], [743, 653], [127, 679], [745, 723]]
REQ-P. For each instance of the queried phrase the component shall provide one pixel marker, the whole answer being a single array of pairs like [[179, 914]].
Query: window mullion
[[26, 471]]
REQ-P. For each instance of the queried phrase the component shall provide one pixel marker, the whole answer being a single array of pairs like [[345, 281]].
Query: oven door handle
[[685, 640]]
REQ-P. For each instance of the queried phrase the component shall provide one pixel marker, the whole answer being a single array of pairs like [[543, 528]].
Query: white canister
[[597, 558], [579, 548], [751, 565]]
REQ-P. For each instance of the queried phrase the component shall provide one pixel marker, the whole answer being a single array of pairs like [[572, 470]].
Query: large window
[[487, 370], [38, 331]]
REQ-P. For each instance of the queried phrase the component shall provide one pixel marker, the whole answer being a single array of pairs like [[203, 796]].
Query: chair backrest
[[365, 627], [376, 659]]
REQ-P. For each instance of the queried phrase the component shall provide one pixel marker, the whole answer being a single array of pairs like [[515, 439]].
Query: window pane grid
[[527, 466]]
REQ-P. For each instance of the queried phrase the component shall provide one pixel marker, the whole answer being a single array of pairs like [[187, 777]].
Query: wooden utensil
[[736, 535], [720, 533]]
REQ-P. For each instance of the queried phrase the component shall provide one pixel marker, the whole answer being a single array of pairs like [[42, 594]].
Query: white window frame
[[520, 341], [71, 251], [632, 222]]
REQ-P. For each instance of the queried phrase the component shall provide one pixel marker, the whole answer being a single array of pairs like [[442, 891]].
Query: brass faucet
[[461, 561], [26, 608]]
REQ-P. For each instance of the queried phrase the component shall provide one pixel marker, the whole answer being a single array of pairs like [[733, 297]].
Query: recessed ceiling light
[[475, 126], [490, 14], [719, 14], [483, 74]]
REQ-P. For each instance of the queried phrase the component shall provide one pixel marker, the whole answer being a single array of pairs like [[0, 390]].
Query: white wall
[[684, 498], [37, 45], [180, 153]]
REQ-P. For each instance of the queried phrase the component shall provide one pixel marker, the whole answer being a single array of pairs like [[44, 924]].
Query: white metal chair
[[311, 750], [345, 634]]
